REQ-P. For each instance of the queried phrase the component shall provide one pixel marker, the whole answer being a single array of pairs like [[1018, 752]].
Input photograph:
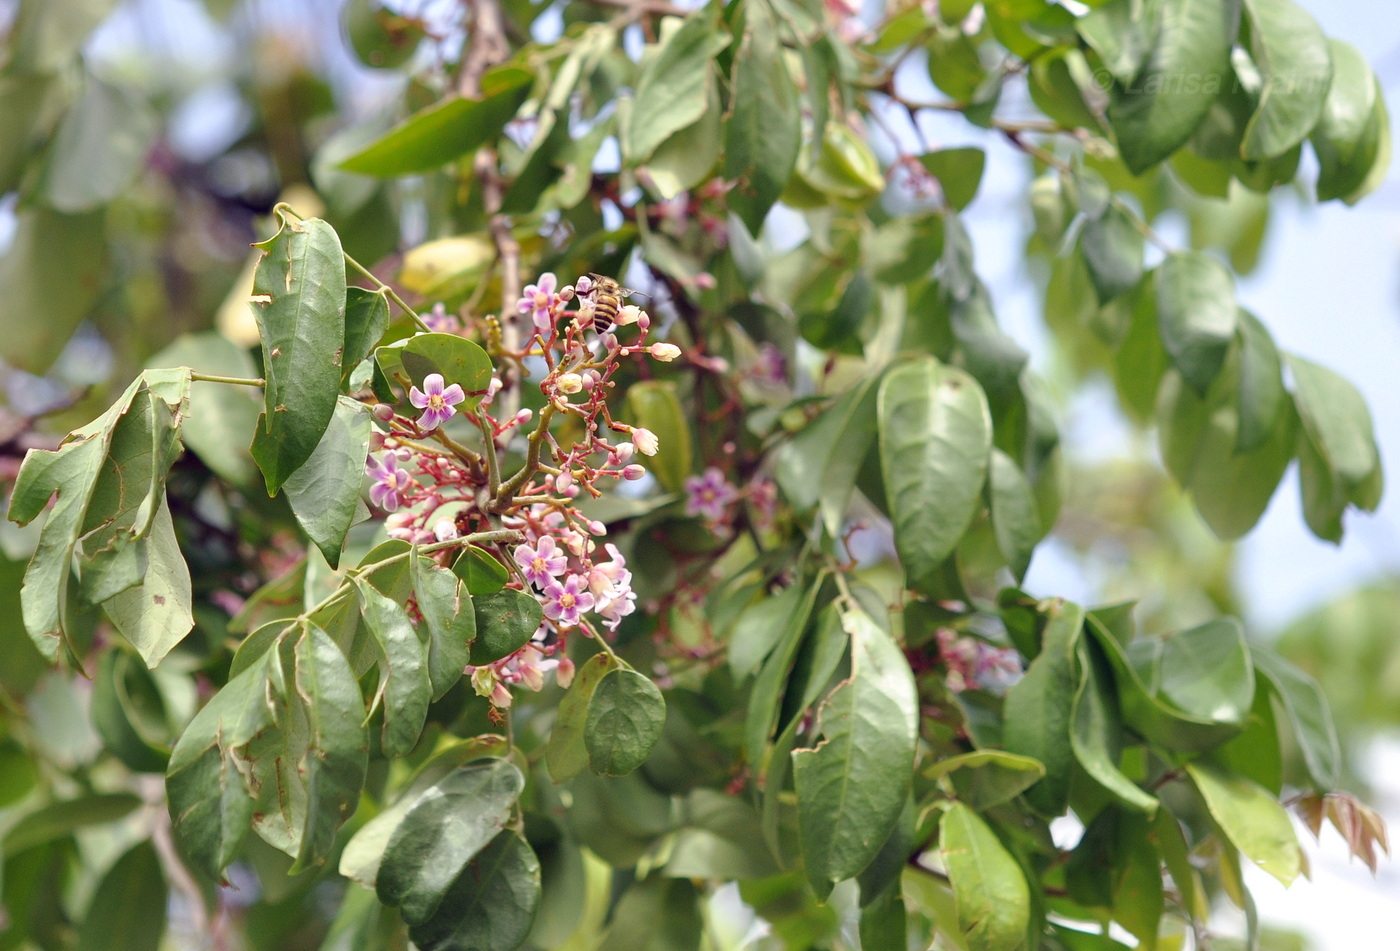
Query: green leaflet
[[625, 717], [325, 491], [446, 606], [110, 523], [1097, 735], [852, 785], [447, 130], [671, 89], [1196, 314], [1306, 707], [656, 405], [1015, 519], [457, 360], [1157, 110], [1250, 818], [1039, 712], [935, 441], [54, 266], [505, 621], [446, 827], [128, 910], [819, 465], [988, 778], [299, 303], [405, 688], [1340, 463], [1296, 67], [220, 416], [567, 753], [764, 130], [99, 148], [1352, 138], [366, 321], [959, 173], [492, 903], [990, 890]]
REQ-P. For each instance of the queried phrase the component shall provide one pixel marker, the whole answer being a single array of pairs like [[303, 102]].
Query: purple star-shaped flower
[[437, 403], [708, 495], [539, 302], [564, 602], [390, 482], [543, 563]]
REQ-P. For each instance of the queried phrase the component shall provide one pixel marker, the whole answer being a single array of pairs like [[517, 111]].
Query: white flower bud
[[628, 315], [623, 452], [645, 440], [445, 530], [665, 352], [569, 383]]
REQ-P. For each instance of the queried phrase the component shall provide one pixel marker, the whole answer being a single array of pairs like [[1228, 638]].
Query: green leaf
[[1203, 671], [447, 130], [59, 819], [1122, 33], [55, 265], [44, 37], [128, 910], [764, 131], [336, 754], [1352, 138], [1155, 112], [988, 778], [658, 914], [1112, 245], [1200, 445], [1308, 713], [1058, 83], [220, 417], [1250, 818], [1262, 396], [1146, 711], [989, 888], [129, 714], [671, 88], [688, 157], [405, 689], [852, 785], [505, 621], [1039, 710], [1296, 68], [479, 571], [1015, 519], [450, 619], [156, 614], [446, 827], [1097, 736], [23, 101], [211, 804], [366, 321], [655, 405], [719, 838], [325, 491], [820, 464], [935, 442], [625, 718], [764, 711], [491, 905], [299, 303], [459, 361], [99, 148], [959, 173], [760, 627], [567, 754], [1338, 423], [1197, 315]]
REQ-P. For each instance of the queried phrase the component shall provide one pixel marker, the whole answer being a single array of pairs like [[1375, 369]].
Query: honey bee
[[605, 298]]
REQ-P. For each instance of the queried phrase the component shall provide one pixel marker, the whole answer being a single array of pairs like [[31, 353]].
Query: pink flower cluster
[[973, 664], [566, 593]]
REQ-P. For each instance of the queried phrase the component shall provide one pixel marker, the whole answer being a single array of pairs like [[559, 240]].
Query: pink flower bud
[[623, 451], [563, 480], [383, 412], [571, 492], [665, 352], [524, 416], [564, 673], [633, 472], [644, 320], [597, 527], [609, 341], [704, 281], [590, 379]]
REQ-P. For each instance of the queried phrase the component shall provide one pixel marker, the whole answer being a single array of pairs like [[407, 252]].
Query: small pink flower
[[437, 403], [611, 585], [390, 482], [543, 563], [440, 321], [564, 602], [539, 302], [709, 495], [645, 441]]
